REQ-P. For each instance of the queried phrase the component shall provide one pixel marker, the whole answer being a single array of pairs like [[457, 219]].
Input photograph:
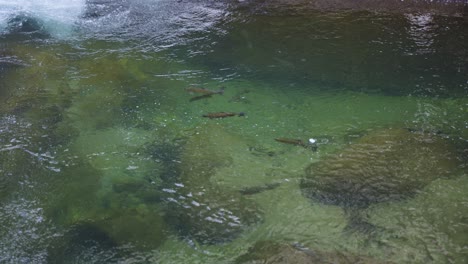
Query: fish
[[291, 141], [240, 97], [223, 114], [297, 142], [203, 96], [204, 91], [258, 189]]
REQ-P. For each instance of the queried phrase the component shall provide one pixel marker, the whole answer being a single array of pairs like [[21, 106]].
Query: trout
[[204, 91], [203, 96], [223, 114], [297, 142], [291, 141], [259, 189]]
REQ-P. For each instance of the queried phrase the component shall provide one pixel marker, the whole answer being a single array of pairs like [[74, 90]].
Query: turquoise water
[[107, 158]]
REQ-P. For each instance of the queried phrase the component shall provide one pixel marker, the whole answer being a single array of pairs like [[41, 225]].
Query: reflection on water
[[24, 232], [105, 156], [159, 23], [421, 31]]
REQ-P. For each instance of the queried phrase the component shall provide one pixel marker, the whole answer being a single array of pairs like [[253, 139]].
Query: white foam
[[57, 16]]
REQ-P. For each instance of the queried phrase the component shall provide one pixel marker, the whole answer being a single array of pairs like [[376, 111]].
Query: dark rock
[[385, 165], [140, 229], [128, 185], [167, 155], [82, 243], [140, 189], [453, 7], [24, 24]]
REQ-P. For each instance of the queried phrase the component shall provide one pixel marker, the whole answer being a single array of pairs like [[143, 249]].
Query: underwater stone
[[205, 151], [168, 155], [109, 239], [82, 243], [128, 185], [385, 165], [75, 193], [24, 24], [141, 229], [126, 221], [199, 209], [272, 252], [16, 166], [210, 215], [140, 189]]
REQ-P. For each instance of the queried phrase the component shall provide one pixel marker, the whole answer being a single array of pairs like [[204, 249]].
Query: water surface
[[107, 158]]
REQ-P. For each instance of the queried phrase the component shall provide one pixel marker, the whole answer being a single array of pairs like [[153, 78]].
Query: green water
[[104, 158]]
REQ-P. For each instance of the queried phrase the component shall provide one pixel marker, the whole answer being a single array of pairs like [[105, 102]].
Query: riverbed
[[233, 132]]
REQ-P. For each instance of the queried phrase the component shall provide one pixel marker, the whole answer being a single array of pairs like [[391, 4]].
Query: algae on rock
[[274, 252], [385, 165], [198, 208]]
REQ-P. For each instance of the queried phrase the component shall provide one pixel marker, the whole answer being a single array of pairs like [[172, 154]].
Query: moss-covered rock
[[75, 192], [271, 253], [387, 164], [27, 157], [394, 6], [200, 209], [167, 156], [209, 214], [128, 189], [140, 228], [209, 148], [83, 243], [108, 239], [39, 93], [121, 215], [16, 166]]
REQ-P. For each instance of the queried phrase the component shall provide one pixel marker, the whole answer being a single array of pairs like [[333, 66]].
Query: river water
[[108, 154]]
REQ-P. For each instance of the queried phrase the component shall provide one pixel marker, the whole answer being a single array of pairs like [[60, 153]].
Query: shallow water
[[106, 158]]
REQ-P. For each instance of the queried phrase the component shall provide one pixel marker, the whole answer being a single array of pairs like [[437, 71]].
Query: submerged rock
[[210, 148], [138, 228], [108, 239], [209, 214], [453, 7], [272, 252], [25, 24], [74, 194], [385, 165], [84, 243], [167, 155], [198, 208], [123, 224]]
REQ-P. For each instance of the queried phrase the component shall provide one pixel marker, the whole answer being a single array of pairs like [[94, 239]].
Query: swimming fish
[[240, 97], [203, 96], [291, 141], [297, 142], [223, 114], [259, 189], [204, 91]]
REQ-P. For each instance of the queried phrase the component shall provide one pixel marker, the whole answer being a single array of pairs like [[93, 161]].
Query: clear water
[[105, 157]]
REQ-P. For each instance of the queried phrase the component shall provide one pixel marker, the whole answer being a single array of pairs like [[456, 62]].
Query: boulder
[[209, 214], [271, 252], [198, 208], [385, 165]]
